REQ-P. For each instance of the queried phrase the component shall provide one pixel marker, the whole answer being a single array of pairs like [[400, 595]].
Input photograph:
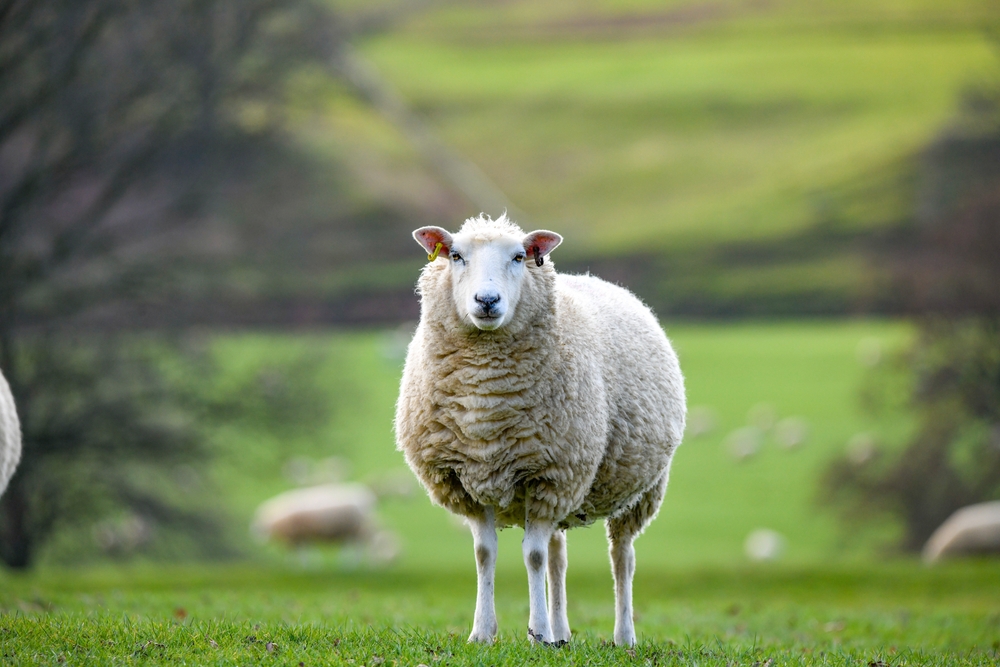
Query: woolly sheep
[[540, 400], [338, 513], [10, 435], [971, 530]]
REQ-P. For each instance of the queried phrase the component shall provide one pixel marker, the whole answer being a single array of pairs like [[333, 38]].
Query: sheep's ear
[[429, 237], [540, 243]]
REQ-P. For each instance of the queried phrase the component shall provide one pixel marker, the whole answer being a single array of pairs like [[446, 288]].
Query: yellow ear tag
[[437, 249]]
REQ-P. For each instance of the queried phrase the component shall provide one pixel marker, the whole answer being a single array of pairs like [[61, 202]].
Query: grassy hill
[[726, 122], [719, 158], [736, 154]]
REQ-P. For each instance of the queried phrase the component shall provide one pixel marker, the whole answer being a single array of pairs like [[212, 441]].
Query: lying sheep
[[969, 531], [335, 513], [10, 435], [540, 400]]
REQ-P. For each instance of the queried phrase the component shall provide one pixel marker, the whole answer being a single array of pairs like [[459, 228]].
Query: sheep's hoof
[[536, 637], [476, 638]]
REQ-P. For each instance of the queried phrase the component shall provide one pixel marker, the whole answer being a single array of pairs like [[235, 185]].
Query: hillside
[[719, 157]]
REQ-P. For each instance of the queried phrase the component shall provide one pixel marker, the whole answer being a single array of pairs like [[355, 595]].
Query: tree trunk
[[16, 544]]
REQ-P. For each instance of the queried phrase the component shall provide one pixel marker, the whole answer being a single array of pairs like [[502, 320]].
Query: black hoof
[[537, 638]]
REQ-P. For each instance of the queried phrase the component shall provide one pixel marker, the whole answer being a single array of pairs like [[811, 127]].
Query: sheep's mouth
[[488, 321], [488, 315]]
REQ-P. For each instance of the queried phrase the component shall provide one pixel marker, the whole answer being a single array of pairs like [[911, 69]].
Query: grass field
[[831, 599], [874, 615]]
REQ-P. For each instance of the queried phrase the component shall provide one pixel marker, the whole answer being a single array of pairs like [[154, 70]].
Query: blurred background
[[206, 269]]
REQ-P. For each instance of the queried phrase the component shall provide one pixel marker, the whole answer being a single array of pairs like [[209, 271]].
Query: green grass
[[808, 370], [899, 615], [829, 600]]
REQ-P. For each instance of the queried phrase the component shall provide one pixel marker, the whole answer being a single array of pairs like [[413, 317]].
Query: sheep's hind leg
[[536, 547], [622, 531], [558, 619], [484, 538], [623, 569]]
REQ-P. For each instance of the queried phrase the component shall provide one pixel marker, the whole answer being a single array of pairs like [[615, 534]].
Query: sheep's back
[[644, 393]]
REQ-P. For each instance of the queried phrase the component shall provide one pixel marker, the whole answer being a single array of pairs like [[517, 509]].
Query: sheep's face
[[488, 270]]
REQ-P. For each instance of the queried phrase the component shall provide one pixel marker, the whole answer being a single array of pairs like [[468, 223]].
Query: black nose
[[487, 301]]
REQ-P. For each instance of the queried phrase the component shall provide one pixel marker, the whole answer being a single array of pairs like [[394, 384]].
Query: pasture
[[834, 597], [899, 614], [809, 370]]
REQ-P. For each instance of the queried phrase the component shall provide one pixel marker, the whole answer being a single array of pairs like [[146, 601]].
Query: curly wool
[[577, 402], [10, 435]]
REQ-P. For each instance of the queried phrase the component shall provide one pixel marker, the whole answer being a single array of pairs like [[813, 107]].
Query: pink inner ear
[[429, 237], [546, 242]]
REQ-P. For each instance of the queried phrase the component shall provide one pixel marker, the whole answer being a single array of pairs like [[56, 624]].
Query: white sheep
[[971, 530], [540, 400], [334, 513], [10, 435]]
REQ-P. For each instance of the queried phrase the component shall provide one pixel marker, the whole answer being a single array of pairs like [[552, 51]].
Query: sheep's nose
[[487, 301]]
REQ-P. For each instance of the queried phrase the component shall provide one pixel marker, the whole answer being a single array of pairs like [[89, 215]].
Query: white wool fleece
[[10, 435], [577, 397]]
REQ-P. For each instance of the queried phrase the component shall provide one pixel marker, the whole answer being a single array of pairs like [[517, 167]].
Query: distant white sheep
[[972, 530], [540, 400], [10, 435], [336, 513]]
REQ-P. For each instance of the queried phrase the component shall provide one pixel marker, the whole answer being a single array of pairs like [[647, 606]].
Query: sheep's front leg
[[536, 554], [558, 619], [484, 539]]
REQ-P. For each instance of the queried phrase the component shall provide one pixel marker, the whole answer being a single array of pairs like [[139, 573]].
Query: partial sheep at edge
[[10, 435]]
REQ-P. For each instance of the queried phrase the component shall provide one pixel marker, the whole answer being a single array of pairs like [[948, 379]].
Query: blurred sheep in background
[[972, 530], [702, 420], [342, 514], [763, 545]]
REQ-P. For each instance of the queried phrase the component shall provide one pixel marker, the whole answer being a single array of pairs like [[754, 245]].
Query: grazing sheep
[[540, 400], [337, 513], [972, 530], [10, 435]]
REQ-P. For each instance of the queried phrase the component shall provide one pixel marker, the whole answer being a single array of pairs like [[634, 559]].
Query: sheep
[[337, 513], [971, 530], [536, 399], [10, 435]]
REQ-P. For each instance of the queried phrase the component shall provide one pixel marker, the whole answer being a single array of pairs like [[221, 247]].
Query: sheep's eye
[[518, 258], [455, 257]]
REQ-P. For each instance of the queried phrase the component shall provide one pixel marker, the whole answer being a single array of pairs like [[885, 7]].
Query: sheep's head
[[489, 263]]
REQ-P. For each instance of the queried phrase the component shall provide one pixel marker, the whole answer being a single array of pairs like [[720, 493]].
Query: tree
[[122, 123], [948, 276]]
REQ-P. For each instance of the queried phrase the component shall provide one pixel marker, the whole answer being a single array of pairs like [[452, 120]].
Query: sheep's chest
[[498, 427], [495, 442]]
